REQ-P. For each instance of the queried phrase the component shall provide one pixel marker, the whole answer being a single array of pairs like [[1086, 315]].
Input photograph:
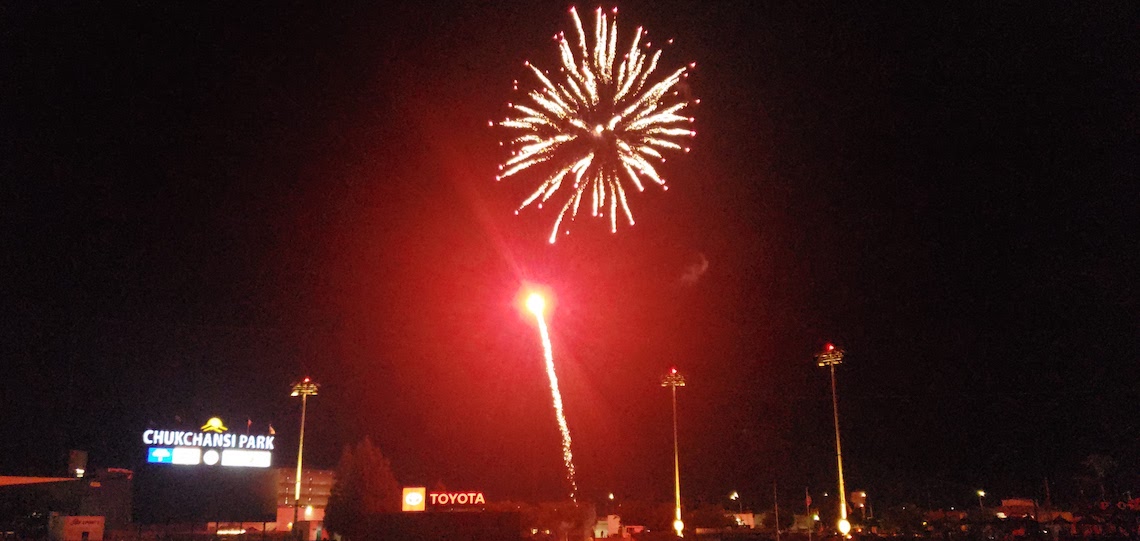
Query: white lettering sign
[[179, 438], [248, 459], [456, 498], [188, 456]]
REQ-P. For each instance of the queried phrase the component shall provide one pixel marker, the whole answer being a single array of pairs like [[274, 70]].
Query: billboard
[[418, 498], [205, 475], [209, 446]]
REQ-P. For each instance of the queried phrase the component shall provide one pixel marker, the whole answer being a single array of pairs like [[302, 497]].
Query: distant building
[[612, 528], [26, 503], [805, 523], [1017, 508], [609, 527], [316, 486], [744, 520], [75, 528]]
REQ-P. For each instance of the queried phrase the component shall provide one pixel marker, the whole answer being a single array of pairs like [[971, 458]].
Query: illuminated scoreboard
[[210, 446]]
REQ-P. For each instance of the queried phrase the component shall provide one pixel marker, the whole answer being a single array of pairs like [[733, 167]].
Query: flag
[[248, 424], [807, 500], [271, 431]]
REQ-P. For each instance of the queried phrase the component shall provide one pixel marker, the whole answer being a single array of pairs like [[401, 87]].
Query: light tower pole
[[304, 389], [674, 380], [830, 357]]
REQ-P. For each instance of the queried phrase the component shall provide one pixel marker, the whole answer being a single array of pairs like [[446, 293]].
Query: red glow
[[830, 347], [306, 380], [673, 370]]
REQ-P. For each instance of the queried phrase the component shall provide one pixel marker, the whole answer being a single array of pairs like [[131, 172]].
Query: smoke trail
[[567, 456]]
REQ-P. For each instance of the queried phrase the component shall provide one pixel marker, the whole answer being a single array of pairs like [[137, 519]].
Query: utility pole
[[674, 380], [807, 511], [304, 389], [776, 509], [829, 358]]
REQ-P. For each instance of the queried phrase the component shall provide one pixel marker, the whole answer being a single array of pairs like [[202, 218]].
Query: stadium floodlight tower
[[674, 380], [829, 357], [304, 389]]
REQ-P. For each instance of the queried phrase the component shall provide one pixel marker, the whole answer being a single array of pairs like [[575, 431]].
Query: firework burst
[[606, 122]]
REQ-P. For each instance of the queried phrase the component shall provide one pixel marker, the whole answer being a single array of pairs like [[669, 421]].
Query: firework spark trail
[[600, 126], [536, 305]]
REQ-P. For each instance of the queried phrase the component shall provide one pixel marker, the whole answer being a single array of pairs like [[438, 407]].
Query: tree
[[1100, 466], [566, 520], [528, 514], [905, 519], [709, 515], [364, 485]]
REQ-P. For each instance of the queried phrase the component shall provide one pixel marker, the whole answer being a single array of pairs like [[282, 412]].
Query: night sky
[[203, 203]]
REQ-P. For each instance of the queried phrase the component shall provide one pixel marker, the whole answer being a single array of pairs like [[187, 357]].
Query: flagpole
[[807, 511], [776, 506]]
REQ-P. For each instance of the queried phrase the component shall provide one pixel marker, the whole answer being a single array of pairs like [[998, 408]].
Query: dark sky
[[203, 203]]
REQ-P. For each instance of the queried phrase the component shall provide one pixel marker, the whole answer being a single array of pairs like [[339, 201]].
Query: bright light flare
[[535, 303], [600, 125]]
